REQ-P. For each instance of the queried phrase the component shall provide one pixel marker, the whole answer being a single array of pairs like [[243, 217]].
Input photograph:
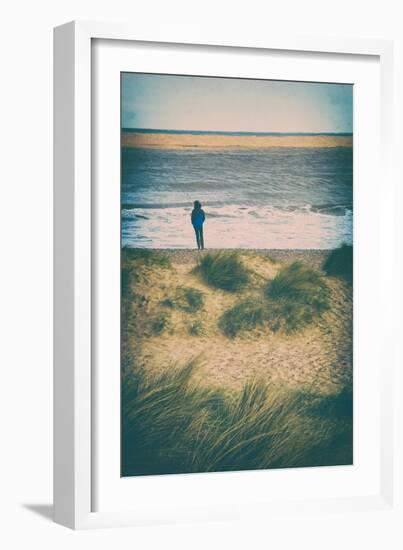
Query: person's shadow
[[44, 510]]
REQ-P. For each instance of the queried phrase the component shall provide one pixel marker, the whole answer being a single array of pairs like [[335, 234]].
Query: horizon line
[[248, 132]]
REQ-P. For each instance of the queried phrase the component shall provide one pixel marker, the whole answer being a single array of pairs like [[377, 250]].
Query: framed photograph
[[222, 234]]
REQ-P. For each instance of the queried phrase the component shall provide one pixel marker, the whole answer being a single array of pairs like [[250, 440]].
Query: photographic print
[[236, 274]]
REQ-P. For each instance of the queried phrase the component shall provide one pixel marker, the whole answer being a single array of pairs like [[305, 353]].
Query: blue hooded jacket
[[198, 218]]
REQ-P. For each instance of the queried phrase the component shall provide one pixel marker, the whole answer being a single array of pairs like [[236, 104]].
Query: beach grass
[[145, 256], [186, 299], [295, 297], [196, 328], [338, 405], [132, 262], [224, 270], [245, 315], [171, 425], [339, 263], [160, 323]]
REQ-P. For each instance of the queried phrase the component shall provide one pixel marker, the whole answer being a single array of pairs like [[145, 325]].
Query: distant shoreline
[[229, 133], [178, 139]]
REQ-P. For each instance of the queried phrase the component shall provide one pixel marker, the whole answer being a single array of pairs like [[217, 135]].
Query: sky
[[234, 105]]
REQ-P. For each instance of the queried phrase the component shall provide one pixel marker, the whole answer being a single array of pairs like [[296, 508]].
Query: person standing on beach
[[197, 218]]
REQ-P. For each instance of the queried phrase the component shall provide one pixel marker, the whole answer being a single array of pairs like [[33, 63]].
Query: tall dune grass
[[294, 298], [158, 418], [339, 263], [223, 270], [145, 256], [186, 299], [296, 295], [170, 425], [245, 315]]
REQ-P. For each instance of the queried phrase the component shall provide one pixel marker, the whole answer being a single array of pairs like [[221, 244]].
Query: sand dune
[[319, 357], [179, 141]]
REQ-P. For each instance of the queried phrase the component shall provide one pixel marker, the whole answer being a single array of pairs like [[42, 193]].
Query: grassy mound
[[196, 328], [296, 295], [245, 315], [160, 323], [169, 425], [186, 299], [134, 265], [339, 263], [223, 270], [339, 405], [292, 300], [132, 261], [157, 416], [145, 256]]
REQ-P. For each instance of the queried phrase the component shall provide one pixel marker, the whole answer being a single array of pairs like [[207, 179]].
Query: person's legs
[[197, 237], [201, 238]]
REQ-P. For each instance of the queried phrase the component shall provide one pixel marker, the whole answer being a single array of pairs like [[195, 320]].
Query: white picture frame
[[76, 470]]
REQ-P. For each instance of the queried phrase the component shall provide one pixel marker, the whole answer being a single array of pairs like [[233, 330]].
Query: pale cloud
[[202, 103]]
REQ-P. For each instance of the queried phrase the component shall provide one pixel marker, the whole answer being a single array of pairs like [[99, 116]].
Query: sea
[[254, 198]]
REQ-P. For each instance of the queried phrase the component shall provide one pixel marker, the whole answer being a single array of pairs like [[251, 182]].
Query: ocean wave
[[221, 210], [235, 226], [279, 197]]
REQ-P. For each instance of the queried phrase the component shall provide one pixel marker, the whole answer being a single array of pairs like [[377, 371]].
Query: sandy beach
[[317, 358], [217, 141]]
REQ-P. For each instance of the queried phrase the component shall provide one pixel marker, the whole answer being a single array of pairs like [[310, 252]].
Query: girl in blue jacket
[[197, 218]]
